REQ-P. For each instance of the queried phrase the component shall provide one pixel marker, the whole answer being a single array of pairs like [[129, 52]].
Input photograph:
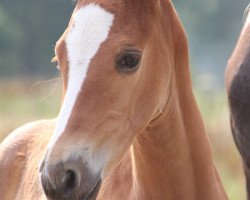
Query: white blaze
[[248, 16], [91, 26]]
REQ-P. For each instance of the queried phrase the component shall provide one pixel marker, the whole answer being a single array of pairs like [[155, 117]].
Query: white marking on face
[[91, 26], [247, 14], [248, 19]]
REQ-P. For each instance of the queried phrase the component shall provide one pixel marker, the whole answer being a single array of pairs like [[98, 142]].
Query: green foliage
[[213, 27], [29, 30]]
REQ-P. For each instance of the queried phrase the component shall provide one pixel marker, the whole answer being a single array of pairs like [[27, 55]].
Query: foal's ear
[[161, 2]]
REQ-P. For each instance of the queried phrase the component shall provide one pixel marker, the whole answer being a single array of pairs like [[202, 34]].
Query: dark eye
[[128, 61]]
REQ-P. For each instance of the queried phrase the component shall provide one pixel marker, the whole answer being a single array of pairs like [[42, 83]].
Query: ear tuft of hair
[[54, 60], [246, 12]]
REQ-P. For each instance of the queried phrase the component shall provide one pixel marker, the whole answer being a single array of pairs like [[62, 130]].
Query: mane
[[246, 12], [74, 2]]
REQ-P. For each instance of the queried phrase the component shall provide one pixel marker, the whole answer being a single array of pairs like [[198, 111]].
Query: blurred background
[[30, 86]]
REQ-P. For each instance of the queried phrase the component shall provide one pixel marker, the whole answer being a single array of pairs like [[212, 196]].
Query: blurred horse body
[[129, 127], [238, 88]]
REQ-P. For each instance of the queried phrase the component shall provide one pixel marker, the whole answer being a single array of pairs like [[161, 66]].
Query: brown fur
[[160, 147], [238, 88]]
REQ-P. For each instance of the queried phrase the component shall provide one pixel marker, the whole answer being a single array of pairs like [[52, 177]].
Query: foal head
[[117, 60]]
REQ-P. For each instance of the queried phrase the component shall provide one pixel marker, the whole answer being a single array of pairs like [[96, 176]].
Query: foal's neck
[[172, 158]]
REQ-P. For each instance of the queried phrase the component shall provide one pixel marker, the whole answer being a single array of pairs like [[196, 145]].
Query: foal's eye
[[128, 61]]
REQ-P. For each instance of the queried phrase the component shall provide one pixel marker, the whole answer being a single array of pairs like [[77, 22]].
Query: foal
[[238, 88], [129, 127]]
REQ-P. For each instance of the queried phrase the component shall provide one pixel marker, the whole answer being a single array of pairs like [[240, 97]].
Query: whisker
[[43, 82], [52, 91], [53, 88]]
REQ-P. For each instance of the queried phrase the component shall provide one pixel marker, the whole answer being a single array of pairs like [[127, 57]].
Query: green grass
[[21, 102], [214, 109]]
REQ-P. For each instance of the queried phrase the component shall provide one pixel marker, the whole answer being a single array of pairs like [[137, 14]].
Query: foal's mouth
[[93, 194]]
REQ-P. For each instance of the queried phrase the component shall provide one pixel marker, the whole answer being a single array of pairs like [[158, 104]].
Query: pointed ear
[[165, 4], [163, 1]]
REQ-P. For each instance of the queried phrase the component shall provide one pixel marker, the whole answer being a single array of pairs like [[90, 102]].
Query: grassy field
[[24, 101], [214, 109]]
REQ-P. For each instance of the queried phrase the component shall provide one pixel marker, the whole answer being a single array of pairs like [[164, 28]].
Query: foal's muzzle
[[69, 180]]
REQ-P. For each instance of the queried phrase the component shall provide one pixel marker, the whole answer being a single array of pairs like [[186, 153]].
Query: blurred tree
[[29, 29], [212, 27]]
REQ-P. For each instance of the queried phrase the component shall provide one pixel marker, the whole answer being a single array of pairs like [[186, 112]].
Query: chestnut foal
[[238, 88], [129, 127]]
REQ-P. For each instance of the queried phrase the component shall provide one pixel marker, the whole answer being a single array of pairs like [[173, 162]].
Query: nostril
[[69, 183], [47, 187]]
